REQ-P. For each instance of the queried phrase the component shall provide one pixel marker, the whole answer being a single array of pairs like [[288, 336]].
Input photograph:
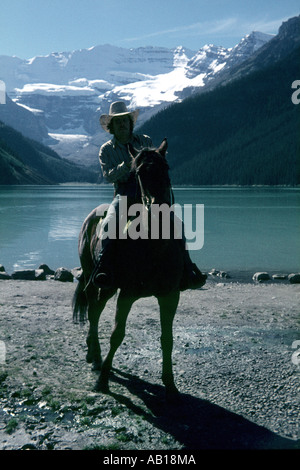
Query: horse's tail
[[79, 302]]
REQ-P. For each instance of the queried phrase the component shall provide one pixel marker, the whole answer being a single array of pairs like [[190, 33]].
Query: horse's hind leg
[[124, 305], [168, 305], [96, 306]]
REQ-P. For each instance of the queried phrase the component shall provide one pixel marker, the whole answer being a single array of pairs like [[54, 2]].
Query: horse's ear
[[162, 149]]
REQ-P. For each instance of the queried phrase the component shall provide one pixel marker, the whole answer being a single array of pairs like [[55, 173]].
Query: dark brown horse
[[142, 267]]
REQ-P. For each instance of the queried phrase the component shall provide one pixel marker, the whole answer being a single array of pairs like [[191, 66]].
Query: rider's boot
[[192, 277], [102, 276]]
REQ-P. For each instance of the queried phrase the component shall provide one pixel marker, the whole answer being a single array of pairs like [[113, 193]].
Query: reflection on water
[[244, 228], [30, 260], [41, 224], [60, 230]]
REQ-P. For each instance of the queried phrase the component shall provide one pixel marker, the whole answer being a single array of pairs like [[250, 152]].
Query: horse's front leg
[[168, 305], [124, 305], [96, 304]]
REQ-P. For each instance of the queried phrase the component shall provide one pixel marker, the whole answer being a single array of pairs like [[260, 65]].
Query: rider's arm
[[115, 159], [114, 167]]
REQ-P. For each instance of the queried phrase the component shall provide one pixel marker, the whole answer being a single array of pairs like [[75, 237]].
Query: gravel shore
[[235, 364]]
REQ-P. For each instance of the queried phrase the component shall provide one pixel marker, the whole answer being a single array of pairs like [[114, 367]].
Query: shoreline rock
[[4, 275], [46, 269], [279, 277], [62, 274], [24, 275], [294, 278], [259, 277]]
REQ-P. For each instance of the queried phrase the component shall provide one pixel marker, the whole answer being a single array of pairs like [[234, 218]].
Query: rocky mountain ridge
[[66, 92]]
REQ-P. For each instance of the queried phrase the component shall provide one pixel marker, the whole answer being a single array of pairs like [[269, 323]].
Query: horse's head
[[152, 171]]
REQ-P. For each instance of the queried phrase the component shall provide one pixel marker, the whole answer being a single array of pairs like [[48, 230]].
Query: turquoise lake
[[245, 229]]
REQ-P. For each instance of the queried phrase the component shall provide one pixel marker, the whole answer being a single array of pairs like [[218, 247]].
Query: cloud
[[195, 29], [231, 26], [266, 26]]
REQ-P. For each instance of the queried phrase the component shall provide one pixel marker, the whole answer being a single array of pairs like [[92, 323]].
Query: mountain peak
[[251, 43], [291, 28], [258, 36], [283, 43], [215, 58]]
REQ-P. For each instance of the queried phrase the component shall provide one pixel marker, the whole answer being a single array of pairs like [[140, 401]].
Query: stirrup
[[102, 280]]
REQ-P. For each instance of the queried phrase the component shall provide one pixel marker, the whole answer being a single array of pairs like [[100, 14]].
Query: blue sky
[[39, 27]]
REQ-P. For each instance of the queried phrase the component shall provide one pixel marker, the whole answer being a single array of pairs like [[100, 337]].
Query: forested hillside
[[246, 132], [25, 161]]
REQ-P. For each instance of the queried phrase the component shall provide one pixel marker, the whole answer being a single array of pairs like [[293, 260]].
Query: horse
[[144, 267]]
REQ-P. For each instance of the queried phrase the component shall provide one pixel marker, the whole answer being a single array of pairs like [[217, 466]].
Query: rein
[[146, 199]]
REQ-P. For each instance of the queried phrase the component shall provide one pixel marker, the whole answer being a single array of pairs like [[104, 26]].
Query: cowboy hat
[[118, 108]]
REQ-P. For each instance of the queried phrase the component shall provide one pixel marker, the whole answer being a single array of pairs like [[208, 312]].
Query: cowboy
[[115, 157], [115, 160]]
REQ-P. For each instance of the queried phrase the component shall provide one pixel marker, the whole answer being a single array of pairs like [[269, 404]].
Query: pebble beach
[[236, 365]]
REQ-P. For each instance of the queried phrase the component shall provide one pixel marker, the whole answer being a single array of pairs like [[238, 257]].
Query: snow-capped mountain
[[68, 91]]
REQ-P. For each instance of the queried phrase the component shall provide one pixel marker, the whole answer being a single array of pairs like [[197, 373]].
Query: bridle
[[147, 199]]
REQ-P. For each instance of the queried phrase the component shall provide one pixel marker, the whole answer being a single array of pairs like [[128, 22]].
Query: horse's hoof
[[172, 395], [96, 366], [96, 363], [101, 386], [89, 358]]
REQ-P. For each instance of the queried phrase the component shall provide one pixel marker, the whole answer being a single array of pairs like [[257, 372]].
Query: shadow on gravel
[[196, 423]]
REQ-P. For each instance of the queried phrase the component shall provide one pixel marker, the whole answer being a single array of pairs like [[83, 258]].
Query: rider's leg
[[192, 276], [103, 273]]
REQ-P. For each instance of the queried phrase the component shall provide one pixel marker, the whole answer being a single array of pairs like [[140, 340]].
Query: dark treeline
[[25, 161]]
